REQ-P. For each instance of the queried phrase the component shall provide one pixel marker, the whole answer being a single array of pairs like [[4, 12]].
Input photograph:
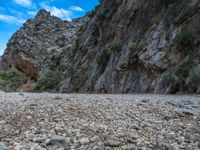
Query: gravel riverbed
[[99, 122]]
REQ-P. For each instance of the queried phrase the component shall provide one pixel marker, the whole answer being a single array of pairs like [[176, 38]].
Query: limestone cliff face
[[127, 46], [142, 57], [39, 43]]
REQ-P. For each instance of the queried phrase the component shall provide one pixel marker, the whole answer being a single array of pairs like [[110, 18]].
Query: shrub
[[75, 45], [49, 81], [132, 48], [69, 72], [185, 40], [168, 79], [83, 50], [116, 45], [163, 3], [184, 69], [61, 45], [93, 11], [194, 75], [11, 79], [175, 8], [102, 60]]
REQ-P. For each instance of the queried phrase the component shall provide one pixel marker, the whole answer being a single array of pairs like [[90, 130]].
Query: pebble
[[60, 142], [174, 147], [84, 140], [113, 141]]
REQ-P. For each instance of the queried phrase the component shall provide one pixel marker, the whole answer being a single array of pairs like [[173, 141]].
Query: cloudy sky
[[13, 13]]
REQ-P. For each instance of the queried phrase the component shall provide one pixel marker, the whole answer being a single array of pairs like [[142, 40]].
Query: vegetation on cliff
[[11, 79]]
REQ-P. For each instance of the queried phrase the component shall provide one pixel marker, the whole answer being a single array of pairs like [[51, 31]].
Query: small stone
[[174, 147], [21, 93], [25, 147], [113, 141], [95, 138], [38, 140], [3, 146], [140, 142], [180, 140], [84, 140], [58, 98], [61, 148], [47, 141], [58, 129], [108, 148], [60, 142], [136, 127], [145, 100], [132, 139], [29, 118], [188, 113]]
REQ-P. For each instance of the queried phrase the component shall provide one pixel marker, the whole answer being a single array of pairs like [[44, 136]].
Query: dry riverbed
[[99, 122]]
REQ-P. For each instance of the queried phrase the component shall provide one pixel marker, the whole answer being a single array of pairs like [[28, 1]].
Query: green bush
[[69, 72], [83, 50], [49, 81], [168, 79], [93, 11], [184, 69], [11, 79], [194, 75], [62, 45], [163, 3], [102, 60], [175, 8], [75, 45], [132, 48], [185, 40], [116, 45]]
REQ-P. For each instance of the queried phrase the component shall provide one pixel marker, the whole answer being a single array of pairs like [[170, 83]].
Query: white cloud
[[58, 12], [76, 8], [10, 19], [32, 13], [24, 3]]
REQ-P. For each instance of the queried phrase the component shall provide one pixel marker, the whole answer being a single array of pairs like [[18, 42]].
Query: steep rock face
[[139, 39], [127, 46], [39, 43]]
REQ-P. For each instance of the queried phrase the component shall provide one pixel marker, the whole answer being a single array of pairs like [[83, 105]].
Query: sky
[[13, 13]]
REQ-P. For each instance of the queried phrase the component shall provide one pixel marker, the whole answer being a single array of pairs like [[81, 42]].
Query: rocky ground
[[97, 122]]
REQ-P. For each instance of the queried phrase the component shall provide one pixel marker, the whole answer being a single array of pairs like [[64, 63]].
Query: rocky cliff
[[39, 44], [123, 46]]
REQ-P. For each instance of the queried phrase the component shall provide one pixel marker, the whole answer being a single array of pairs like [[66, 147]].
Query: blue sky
[[13, 13]]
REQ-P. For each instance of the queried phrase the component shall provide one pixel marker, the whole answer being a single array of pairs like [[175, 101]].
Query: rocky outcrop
[[127, 46], [39, 43]]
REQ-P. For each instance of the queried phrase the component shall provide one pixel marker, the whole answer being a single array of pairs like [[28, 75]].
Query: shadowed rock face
[[146, 59], [127, 46]]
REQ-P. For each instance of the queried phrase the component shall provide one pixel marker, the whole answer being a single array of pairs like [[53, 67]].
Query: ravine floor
[[99, 122]]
